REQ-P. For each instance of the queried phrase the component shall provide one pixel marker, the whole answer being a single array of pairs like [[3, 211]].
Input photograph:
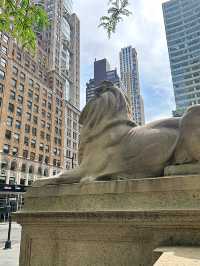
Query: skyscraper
[[37, 94], [62, 42], [182, 26], [130, 79], [102, 72]]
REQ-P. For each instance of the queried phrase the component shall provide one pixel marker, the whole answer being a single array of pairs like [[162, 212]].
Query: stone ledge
[[162, 218], [166, 183], [177, 192]]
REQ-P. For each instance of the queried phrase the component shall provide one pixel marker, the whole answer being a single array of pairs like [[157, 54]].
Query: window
[[20, 99], [34, 131], [1, 88], [40, 159], [16, 137], [21, 87], [28, 116], [14, 83], [41, 146], [35, 120], [19, 57], [5, 38], [15, 71], [18, 124], [11, 107], [26, 141], [47, 148], [31, 82], [35, 108], [48, 126], [29, 105], [25, 154], [49, 115], [42, 134], [44, 102], [74, 136], [3, 62], [15, 151], [12, 95], [43, 124], [44, 91], [19, 111], [46, 160], [49, 106], [32, 156], [36, 97], [30, 94], [43, 113], [9, 121], [33, 143], [27, 128], [37, 87], [4, 50], [47, 137], [2, 74], [6, 148], [27, 63], [22, 76], [8, 134], [33, 67]]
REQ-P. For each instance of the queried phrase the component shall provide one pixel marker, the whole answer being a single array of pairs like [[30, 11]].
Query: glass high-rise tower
[[130, 80], [182, 24]]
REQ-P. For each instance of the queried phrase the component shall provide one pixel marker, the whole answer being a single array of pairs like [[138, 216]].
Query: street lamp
[[8, 241]]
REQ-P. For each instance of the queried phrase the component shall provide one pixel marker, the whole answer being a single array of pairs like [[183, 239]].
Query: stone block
[[116, 223]]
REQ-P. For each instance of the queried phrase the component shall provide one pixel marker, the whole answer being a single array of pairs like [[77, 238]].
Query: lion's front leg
[[66, 177]]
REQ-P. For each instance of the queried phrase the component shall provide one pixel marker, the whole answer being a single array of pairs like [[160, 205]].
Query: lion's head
[[110, 103], [109, 108]]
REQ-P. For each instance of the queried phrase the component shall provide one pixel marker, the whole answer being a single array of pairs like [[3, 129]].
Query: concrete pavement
[[10, 257]]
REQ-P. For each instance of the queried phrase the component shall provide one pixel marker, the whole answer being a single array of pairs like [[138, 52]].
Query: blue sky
[[145, 31]]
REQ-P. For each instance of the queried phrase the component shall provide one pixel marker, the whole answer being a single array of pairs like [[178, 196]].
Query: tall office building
[[36, 95], [130, 79], [182, 24], [62, 43], [102, 72]]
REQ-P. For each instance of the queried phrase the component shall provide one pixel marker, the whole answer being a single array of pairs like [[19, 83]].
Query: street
[[10, 257]]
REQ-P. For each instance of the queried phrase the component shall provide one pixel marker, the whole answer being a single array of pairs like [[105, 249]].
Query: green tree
[[22, 19], [117, 9]]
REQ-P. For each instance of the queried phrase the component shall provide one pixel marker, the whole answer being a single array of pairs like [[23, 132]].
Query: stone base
[[118, 223], [182, 169]]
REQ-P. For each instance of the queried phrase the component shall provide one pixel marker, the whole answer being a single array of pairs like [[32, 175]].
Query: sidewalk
[[10, 257]]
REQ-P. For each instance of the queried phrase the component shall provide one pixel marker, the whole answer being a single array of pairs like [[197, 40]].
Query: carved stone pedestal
[[118, 223]]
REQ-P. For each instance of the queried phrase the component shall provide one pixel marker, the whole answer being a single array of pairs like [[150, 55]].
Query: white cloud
[[143, 30]]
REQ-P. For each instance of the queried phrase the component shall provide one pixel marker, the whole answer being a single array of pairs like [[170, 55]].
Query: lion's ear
[[83, 115], [85, 112]]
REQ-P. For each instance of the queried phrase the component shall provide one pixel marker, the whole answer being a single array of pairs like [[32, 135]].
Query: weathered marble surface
[[179, 256], [115, 223], [183, 169]]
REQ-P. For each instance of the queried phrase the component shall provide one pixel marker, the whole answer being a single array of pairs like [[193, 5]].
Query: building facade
[[130, 80], [30, 116], [72, 136], [102, 72], [182, 26], [35, 92]]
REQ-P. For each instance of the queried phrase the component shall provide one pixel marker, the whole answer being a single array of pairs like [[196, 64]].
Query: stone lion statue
[[112, 146]]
